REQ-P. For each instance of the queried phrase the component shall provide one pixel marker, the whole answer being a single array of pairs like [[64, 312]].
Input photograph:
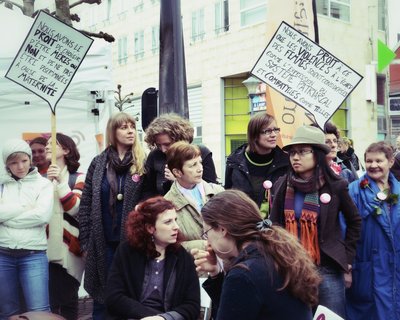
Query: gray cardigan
[[91, 234]]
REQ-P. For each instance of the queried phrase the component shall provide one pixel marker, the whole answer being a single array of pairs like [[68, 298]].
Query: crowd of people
[[291, 228]]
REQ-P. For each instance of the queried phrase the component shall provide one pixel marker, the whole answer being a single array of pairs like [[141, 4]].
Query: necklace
[[120, 196]]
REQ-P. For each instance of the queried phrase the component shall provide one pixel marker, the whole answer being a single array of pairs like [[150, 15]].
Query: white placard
[[323, 313], [306, 73], [49, 58]]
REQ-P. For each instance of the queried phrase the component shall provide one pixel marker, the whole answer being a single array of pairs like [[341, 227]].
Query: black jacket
[[125, 281], [155, 182], [329, 232], [237, 173]]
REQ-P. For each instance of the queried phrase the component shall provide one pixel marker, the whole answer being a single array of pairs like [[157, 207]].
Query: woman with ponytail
[[306, 202], [267, 274]]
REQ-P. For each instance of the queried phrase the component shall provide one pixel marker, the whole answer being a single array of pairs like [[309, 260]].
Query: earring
[[152, 238]]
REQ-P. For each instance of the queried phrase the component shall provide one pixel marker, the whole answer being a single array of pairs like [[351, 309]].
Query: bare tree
[[62, 12]]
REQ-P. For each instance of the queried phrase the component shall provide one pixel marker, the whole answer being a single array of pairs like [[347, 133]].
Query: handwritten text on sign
[[49, 58], [306, 73]]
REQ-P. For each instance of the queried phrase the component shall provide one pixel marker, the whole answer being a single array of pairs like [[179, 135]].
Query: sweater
[[251, 291], [25, 209], [125, 285], [63, 242], [91, 234]]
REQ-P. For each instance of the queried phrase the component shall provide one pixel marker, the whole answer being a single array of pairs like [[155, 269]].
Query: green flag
[[385, 56]]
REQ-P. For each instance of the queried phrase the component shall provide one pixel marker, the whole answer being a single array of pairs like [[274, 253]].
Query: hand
[[206, 261], [168, 174], [348, 279], [53, 172], [153, 318]]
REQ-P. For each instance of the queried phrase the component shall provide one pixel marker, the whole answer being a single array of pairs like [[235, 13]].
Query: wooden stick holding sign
[[47, 61]]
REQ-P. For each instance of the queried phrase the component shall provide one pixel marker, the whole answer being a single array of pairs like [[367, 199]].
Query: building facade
[[223, 40]]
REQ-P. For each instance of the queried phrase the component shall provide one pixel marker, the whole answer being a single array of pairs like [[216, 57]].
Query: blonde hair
[[116, 121]]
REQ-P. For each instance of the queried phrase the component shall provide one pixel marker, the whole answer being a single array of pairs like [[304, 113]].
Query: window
[[252, 12], [381, 15], [122, 50], [338, 9], [139, 44], [155, 39], [195, 112], [380, 87], [221, 9], [198, 25]]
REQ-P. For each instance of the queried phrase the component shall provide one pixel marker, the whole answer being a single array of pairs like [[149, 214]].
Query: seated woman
[[189, 192], [152, 276], [268, 273]]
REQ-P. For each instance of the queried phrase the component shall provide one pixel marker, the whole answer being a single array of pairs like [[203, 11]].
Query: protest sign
[[49, 58], [306, 73], [47, 61], [323, 313]]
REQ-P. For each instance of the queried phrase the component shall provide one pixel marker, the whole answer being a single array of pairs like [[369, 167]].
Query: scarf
[[335, 167], [116, 166], [309, 214]]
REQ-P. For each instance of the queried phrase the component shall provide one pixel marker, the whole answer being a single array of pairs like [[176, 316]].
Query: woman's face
[[125, 135], [343, 147], [267, 138], [165, 231], [302, 160], [39, 155], [332, 142], [191, 173], [223, 246], [19, 165], [163, 142], [60, 152], [378, 166]]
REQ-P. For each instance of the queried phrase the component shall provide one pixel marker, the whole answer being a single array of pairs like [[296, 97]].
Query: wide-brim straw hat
[[309, 135]]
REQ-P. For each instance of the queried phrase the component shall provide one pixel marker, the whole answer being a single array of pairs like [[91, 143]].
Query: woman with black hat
[[307, 202]]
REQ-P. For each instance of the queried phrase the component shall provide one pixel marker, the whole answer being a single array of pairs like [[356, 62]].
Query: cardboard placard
[[306, 73], [49, 58]]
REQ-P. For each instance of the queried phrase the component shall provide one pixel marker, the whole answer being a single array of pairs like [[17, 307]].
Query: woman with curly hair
[[152, 276], [113, 187], [267, 274], [66, 263], [160, 135]]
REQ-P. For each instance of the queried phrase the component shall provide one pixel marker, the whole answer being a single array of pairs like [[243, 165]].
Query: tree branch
[[107, 37]]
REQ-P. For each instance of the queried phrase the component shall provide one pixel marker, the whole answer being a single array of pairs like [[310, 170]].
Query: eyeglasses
[[204, 235], [270, 130], [301, 152]]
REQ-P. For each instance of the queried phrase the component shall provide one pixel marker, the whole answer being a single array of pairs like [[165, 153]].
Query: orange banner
[[300, 15]]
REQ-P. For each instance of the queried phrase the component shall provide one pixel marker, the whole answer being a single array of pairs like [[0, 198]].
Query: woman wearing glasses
[[307, 202], [257, 160]]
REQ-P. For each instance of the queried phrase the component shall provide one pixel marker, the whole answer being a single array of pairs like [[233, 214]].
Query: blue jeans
[[332, 291], [25, 272]]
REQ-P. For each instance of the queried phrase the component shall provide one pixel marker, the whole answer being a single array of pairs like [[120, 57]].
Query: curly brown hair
[[171, 124], [145, 215], [239, 215]]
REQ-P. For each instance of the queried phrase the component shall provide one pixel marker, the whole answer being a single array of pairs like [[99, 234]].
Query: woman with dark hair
[[113, 187], [152, 276], [258, 160], [307, 202], [39, 160], [375, 291], [267, 274], [66, 263], [161, 133]]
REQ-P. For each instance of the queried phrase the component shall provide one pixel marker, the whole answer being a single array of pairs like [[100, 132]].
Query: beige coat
[[189, 219]]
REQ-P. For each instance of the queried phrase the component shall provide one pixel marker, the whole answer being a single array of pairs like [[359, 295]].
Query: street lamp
[[251, 84]]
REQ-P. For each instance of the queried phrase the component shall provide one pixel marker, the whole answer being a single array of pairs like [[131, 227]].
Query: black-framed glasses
[[204, 235], [270, 130], [301, 152]]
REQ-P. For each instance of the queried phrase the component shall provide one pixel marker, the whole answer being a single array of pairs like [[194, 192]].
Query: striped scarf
[[307, 221]]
